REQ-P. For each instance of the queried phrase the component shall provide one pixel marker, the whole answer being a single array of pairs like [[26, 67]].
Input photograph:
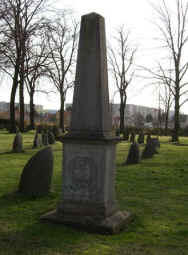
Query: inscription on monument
[[82, 183]]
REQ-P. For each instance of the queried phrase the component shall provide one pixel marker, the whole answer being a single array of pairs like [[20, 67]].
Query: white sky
[[136, 15]]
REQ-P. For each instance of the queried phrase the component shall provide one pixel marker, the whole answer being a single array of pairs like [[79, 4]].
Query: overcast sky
[[137, 16]]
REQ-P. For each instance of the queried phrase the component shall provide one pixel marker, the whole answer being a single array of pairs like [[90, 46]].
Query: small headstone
[[155, 142], [37, 140], [18, 143], [132, 137], [45, 138], [141, 138], [134, 154], [51, 138], [40, 140], [149, 150], [57, 132], [126, 134], [36, 177]]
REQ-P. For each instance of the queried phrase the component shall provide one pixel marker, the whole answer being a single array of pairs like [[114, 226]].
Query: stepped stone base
[[88, 192], [110, 225]]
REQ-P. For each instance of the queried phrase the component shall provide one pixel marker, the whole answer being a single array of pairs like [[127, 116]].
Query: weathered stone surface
[[37, 174], [89, 172], [109, 225], [51, 138], [18, 143], [91, 114], [88, 194], [134, 154]]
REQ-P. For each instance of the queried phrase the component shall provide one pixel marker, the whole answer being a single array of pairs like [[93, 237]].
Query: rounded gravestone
[[40, 140], [51, 138], [155, 142], [45, 138], [18, 143], [36, 176], [132, 137], [57, 132], [149, 150], [141, 138], [36, 141], [126, 134], [134, 154]]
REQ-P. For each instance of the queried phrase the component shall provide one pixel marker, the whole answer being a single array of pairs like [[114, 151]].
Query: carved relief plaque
[[82, 184]]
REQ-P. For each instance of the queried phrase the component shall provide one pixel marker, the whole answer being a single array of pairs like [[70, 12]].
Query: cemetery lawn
[[155, 191]]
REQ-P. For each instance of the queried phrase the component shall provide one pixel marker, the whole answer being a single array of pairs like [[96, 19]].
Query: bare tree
[[19, 20], [162, 79], [121, 58], [173, 28], [166, 99], [62, 45], [36, 67]]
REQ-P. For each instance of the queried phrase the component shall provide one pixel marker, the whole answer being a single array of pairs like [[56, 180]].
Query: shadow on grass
[[40, 238], [173, 143], [11, 152], [16, 197], [6, 152], [28, 150], [48, 238]]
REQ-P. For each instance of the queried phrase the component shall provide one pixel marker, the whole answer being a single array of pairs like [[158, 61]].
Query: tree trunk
[[166, 127], [61, 113], [166, 123], [122, 113], [175, 135], [32, 111], [22, 110], [12, 100]]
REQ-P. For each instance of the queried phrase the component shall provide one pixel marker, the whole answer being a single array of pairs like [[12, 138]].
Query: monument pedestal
[[88, 195], [109, 225]]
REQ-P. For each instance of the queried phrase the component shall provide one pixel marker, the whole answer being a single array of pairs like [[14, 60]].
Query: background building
[[5, 107], [134, 114]]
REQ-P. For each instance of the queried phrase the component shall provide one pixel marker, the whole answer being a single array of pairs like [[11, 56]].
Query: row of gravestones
[[140, 139], [36, 176], [40, 140], [151, 148], [132, 136]]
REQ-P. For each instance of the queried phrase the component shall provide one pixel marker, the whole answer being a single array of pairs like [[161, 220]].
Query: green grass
[[155, 191]]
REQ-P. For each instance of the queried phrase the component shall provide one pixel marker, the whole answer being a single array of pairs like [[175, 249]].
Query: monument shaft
[[91, 113]]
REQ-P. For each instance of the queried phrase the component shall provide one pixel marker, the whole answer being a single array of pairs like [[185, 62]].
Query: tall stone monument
[[88, 192]]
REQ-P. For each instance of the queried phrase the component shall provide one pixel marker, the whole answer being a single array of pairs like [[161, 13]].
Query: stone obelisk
[[88, 192]]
